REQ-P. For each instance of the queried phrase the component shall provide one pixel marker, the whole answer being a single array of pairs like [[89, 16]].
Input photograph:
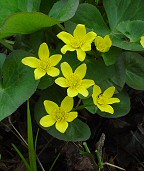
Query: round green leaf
[[18, 83]]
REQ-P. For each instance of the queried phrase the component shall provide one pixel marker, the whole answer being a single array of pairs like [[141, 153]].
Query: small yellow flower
[[60, 116], [74, 80], [80, 41], [44, 64], [142, 41], [103, 44], [103, 101]]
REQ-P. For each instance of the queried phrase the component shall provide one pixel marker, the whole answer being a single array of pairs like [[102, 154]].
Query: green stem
[[100, 162], [7, 45], [61, 27], [82, 106]]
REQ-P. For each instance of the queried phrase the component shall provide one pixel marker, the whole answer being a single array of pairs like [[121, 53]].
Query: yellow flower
[[60, 116], [103, 101], [142, 41], [44, 64], [80, 41], [103, 44], [74, 80]]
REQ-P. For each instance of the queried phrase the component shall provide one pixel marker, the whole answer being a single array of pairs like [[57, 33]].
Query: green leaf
[[45, 82], [18, 83], [2, 59], [132, 29], [90, 16], [134, 64], [91, 107], [26, 23], [122, 10], [120, 109], [32, 153], [77, 130], [111, 56], [63, 10], [11, 7]]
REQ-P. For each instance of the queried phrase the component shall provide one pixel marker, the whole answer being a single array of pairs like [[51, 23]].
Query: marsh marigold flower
[[60, 116], [45, 63], [74, 80], [103, 100], [79, 41], [103, 44], [142, 41]]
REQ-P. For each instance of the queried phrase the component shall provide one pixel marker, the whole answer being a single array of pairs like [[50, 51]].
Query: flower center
[[60, 114], [102, 100], [45, 65], [76, 42], [74, 81]]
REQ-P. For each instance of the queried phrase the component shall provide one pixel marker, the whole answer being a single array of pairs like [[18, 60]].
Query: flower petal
[[66, 48], [61, 81], [67, 104], [89, 37], [106, 108], [87, 83], [53, 71], [39, 73], [72, 92], [113, 100], [80, 31], [43, 51], [47, 121], [107, 41], [142, 41], [31, 62], [50, 106], [61, 126], [109, 92], [81, 71], [81, 55], [66, 69], [96, 90], [86, 47], [71, 116], [54, 59], [65, 37], [82, 90]]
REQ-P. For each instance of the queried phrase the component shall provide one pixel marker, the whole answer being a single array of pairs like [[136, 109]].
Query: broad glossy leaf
[[63, 10], [77, 130], [120, 109], [90, 16], [11, 7], [25, 23], [18, 83], [122, 10]]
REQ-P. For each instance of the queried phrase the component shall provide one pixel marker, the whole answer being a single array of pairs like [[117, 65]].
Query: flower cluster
[[74, 81]]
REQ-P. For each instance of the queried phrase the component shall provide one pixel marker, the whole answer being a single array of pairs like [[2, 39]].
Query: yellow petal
[[107, 41], [142, 41], [80, 31], [109, 92], [113, 100], [43, 52], [47, 121], [54, 59], [87, 83], [96, 91], [53, 71], [71, 116], [82, 90], [39, 73], [66, 48], [89, 37], [99, 40], [106, 108], [61, 81], [81, 55], [86, 47], [81, 71], [67, 104], [61, 126], [31, 62], [65, 37], [50, 106], [66, 69], [72, 92]]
